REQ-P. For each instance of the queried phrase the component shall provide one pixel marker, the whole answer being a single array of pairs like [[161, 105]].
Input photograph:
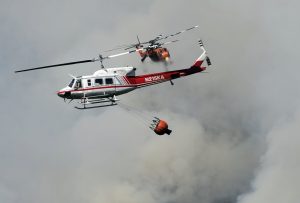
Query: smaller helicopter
[[104, 85], [154, 48]]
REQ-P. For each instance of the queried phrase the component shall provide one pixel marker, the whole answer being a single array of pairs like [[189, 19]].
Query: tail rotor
[[202, 47]]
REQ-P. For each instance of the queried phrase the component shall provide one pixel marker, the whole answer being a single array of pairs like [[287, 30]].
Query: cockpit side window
[[78, 84], [71, 83]]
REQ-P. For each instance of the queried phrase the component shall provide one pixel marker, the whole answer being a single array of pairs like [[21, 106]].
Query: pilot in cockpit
[[78, 84]]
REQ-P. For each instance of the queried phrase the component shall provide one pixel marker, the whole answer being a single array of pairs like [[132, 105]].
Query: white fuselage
[[102, 84]]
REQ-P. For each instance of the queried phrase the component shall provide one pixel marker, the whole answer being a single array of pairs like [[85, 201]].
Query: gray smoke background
[[235, 129]]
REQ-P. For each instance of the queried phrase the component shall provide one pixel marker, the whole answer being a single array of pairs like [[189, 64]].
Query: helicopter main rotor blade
[[124, 47], [101, 58], [128, 46], [150, 42], [177, 33], [61, 64], [124, 53], [169, 42]]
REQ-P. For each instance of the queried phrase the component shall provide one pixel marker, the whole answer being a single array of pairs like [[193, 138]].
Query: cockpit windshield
[[71, 83]]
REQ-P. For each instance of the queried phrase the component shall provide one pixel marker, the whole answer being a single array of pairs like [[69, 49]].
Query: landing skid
[[93, 107], [89, 103]]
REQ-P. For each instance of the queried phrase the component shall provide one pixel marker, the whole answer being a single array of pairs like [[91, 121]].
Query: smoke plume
[[234, 128]]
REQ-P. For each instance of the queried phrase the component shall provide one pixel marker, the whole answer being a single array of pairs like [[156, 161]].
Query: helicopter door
[[109, 82], [87, 84], [78, 86]]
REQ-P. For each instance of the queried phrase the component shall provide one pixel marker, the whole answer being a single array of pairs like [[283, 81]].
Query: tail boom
[[155, 78]]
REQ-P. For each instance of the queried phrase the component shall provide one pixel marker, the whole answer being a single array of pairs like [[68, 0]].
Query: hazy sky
[[235, 130]]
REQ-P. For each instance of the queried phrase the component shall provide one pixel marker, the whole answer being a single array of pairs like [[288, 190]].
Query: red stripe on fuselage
[[97, 88]]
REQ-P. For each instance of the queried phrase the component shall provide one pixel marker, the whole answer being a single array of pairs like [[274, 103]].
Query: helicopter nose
[[61, 94]]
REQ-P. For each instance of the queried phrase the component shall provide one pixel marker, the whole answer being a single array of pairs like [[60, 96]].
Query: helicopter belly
[[77, 94], [124, 90], [95, 93]]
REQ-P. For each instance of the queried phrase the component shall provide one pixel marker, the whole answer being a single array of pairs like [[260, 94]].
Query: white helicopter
[[102, 88]]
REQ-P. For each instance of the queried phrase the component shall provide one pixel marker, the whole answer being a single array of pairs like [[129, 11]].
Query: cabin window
[[99, 81], [89, 82], [109, 81]]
